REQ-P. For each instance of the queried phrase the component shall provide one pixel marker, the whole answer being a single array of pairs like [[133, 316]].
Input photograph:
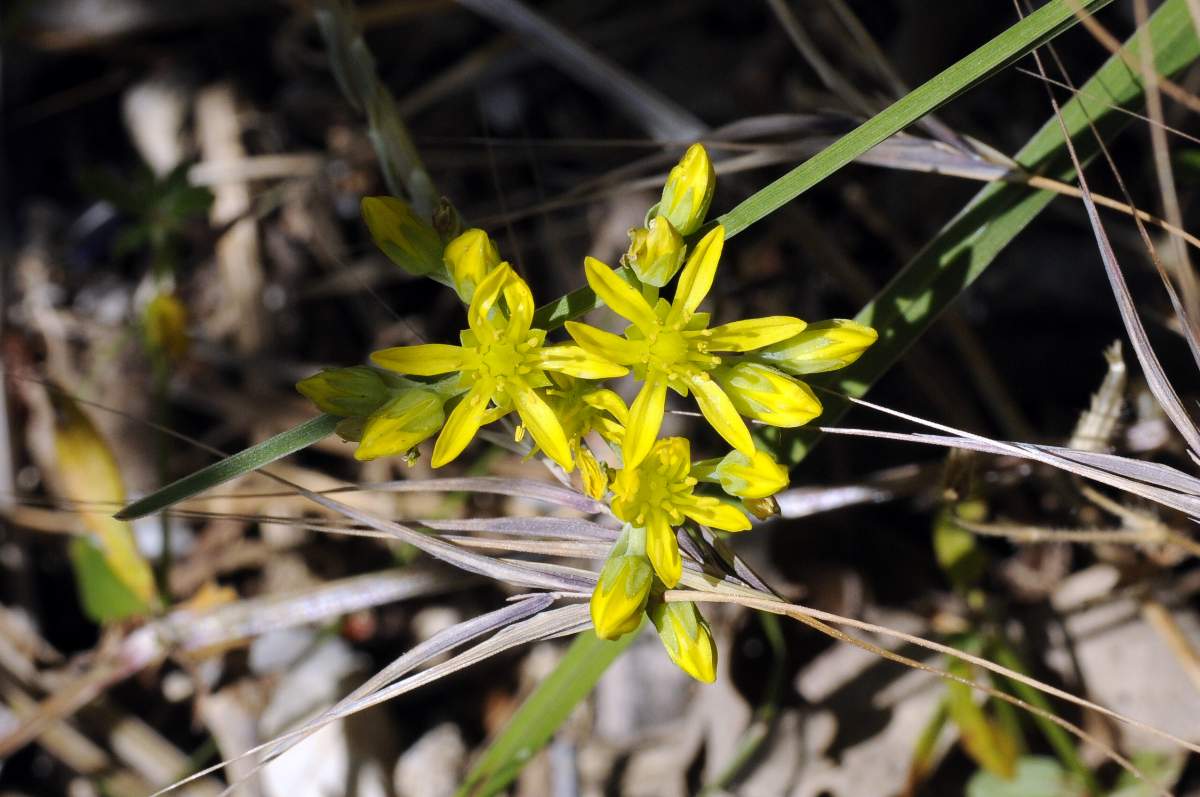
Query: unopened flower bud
[[469, 258], [348, 392], [620, 595], [687, 638], [165, 324], [446, 220], [400, 424], [760, 392], [689, 190], [408, 241], [756, 476], [655, 252], [822, 346]]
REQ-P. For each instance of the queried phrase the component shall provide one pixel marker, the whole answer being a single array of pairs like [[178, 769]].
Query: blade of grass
[[1018, 40], [542, 712], [965, 247], [231, 467]]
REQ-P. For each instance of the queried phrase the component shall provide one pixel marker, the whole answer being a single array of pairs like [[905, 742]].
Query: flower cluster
[[737, 371]]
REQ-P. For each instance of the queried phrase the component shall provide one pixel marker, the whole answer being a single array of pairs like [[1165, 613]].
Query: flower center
[[668, 349], [503, 358]]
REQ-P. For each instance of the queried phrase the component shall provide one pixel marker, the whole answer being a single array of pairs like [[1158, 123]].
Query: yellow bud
[[348, 392], [761, 508], [655, 253], [687, 638], [823, 346], [165, 324], [756, 476], [620, 595], [760, 392], [409, 241], [402, 423], [689, 190], [469, 258]]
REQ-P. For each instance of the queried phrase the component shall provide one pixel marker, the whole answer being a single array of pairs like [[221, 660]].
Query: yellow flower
[[620, 595], [822, 346], [671, 346], [687, 638], [756, 476], [656, 495], [397, 426], [469, 258], [348, 392], [655, 252], [583, 407], [688, 191], [501, 362], [406, 239]]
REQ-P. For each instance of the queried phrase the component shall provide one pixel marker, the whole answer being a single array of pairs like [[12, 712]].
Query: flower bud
[[620, 595], [756, 476], [446, 220], [655, 253], [165, 323], [405, 238], [761, 508], [348, 392], [400, 424], [469, 258], [595, 480], [822, 346], [687, 638], [760, 392], [689, 190]]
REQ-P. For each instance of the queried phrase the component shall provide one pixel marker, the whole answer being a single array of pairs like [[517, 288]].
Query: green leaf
[[1036, 776], [542, 712], [252, 458], [966, 246], [104, 596]]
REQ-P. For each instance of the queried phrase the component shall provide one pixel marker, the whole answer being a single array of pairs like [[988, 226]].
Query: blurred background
[[181, 243]]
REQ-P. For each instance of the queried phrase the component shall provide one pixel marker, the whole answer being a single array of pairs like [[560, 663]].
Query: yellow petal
[[686, 638], [462, 425], [608, 401], [519, 299], [663, 550], [486, 295], [645, 419], [612, 347], [760, 392], [579, 362], [469, 258], [595, 480], [720, 412], [697, 276], [428, 359], [541, 422], [753, 333], [712, 512], [655, 252], [619, 295], [822, 346]]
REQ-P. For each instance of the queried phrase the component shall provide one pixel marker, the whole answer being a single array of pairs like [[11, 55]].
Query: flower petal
[[753, 333], [578, 361], [428, 359], [462, 424], [519, 299], [645, 419], [764, 394], [486, 294], [541, 422], [663, 550], [822, 346], [608, 401], [697, 276], [720, 412], [619, 295], [712, 512], [613, 347]]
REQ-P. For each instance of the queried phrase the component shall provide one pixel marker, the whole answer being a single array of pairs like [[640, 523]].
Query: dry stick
[[806, 614], [1160, 619]]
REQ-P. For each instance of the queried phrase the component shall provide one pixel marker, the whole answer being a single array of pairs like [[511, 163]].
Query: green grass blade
[[252, 458], [542, 712], [966, 246], [1018, 40]]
